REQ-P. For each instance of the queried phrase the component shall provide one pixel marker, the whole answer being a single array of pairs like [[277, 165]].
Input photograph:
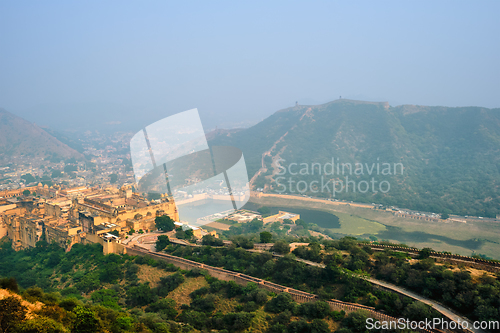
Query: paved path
[[435, 305]]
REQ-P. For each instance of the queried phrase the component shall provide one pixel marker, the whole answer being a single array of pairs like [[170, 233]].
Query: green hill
[[46, 289], [450, 155]]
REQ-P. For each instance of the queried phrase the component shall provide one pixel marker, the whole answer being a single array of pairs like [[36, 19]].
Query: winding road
[[445, 311]]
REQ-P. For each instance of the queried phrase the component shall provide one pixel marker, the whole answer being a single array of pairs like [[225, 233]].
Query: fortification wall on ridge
[[297, 295]]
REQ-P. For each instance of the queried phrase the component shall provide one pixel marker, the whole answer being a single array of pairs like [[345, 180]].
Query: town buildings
[[82, 214]]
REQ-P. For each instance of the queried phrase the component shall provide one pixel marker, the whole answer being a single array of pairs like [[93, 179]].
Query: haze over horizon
[[66, 65]]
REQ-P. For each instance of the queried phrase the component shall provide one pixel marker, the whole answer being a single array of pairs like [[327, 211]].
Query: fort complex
[[67, 216]]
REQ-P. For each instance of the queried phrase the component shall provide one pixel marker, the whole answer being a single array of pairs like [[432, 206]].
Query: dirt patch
[[293, 246], [218, 225], [475, 273], [225, 305], [318, 234], [32, 307], [332, 325], [181, 294], [259, 322], [151, 274]]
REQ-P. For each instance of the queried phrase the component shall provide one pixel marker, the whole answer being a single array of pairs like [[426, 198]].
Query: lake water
[[192, 212]]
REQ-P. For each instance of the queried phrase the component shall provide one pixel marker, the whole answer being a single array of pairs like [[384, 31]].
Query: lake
[[319, 217]]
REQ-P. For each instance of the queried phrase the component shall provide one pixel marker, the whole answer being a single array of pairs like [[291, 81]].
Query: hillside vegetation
[[450, 155], [86, 291]]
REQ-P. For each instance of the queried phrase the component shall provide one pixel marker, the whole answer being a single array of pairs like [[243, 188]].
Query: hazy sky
[[139, 61]]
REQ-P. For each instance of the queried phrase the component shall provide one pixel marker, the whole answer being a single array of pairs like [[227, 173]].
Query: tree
[[140, 295], [211, 240], [236, 322], [266, 237], [162, 242], [425, 253], [356, 321], [41, 324], [89, 282], [164, 223], [106, 297], [56, 174], [10, 284], [204, 304], [113, 178], [264, 210], [189, 233], [165, 306], [280, 303], [86, 321], [301, 222], [26, 193], [417, 311], [179, 233], [54, 259], [319, 326], [281, 247], [445, 216], [28, 178], [12, 312], [243, 242], [315, 310], [169, 283], [299, 326], [124, 323]]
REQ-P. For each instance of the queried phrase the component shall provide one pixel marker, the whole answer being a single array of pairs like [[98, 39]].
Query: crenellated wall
[[483, 264], [297, 295]]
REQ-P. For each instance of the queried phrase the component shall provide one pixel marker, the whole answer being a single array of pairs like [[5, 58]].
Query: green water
[[321, 218]]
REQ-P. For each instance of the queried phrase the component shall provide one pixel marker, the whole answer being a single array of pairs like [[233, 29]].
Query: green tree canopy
[[86, 321], [113, 178], [211, 240], [41, 324], [28, 178], [266, 237], [356, 321], [164, 223], [162, 242], [425, 253], [281, 247], [264, 210], [11, 313], [56, 174]]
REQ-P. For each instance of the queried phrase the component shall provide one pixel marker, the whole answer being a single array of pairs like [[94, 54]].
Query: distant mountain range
[[19, 137], [450, 155]]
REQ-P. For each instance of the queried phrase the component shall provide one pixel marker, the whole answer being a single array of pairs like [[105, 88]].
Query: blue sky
[[137, 62]]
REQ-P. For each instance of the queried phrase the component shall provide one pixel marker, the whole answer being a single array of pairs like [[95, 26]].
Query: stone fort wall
[[242, 279]]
